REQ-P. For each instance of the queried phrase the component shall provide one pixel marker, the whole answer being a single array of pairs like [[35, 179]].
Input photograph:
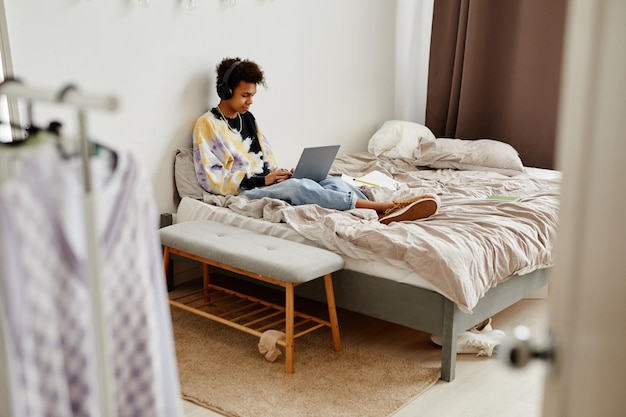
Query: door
[[588, 294]]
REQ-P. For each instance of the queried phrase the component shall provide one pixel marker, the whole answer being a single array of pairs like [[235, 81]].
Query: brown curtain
[[494, 72]]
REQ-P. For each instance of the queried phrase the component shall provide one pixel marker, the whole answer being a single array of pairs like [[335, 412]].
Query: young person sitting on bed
[[233, 157]]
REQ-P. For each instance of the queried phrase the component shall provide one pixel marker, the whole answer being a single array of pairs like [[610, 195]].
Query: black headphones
[[223, 90]]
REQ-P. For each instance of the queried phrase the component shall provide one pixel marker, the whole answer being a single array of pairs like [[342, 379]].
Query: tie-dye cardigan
[[222, 158]]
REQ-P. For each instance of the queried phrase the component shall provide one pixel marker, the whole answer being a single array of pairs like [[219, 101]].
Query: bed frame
[[422, 309]]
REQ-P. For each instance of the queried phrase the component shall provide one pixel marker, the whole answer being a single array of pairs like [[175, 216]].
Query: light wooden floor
[[483, 387]]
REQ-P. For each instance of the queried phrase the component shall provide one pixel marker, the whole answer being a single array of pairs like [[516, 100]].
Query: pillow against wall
[[471, 155], [185, 175], [398, 139]]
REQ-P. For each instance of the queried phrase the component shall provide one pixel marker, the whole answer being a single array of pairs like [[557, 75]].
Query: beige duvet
[[468, 247]]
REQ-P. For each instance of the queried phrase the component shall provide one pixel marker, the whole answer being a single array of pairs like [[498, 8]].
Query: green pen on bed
[[504, 197]]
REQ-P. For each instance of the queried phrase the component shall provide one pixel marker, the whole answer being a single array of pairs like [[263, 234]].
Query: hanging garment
[[47, 333]]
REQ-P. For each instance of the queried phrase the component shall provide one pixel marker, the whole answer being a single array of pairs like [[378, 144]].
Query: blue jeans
[[332, 193]]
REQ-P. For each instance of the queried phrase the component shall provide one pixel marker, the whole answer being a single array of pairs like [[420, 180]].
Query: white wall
[[329, 67]]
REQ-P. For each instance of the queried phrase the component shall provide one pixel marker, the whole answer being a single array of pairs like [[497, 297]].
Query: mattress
[[472, 243]]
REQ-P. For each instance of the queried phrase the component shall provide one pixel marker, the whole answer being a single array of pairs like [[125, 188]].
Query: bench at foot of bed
[[269, 259]]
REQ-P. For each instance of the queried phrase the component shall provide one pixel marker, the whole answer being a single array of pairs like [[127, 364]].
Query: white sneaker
[[482, 343], [483, 326]]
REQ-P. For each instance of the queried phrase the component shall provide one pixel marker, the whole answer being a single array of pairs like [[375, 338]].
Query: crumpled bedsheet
[[469, 246]]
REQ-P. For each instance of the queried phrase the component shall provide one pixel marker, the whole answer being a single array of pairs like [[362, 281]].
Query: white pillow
[[471, 155], [398, 139]]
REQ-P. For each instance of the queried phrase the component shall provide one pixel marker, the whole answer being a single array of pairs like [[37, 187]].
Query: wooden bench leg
[[206, 276], [332, 311], [166, 260], [289, 328]]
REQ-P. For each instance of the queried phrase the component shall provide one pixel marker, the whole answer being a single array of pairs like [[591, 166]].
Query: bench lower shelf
[[243, 312]]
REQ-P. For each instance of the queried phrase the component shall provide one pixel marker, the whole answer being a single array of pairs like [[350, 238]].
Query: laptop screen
[[315, 162]]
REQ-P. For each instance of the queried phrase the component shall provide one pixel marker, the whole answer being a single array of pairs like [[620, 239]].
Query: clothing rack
[[69, 95]]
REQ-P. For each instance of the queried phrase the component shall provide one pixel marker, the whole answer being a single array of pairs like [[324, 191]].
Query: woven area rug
[[220, 368]]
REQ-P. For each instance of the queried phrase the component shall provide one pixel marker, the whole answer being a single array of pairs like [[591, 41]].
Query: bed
[[489, 245]]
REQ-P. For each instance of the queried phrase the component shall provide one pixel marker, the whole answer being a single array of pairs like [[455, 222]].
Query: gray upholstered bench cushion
[[273, 257]]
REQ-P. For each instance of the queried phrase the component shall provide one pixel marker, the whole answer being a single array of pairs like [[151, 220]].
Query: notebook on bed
[[315, 162]]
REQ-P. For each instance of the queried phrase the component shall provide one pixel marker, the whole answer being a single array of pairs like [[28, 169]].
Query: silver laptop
[[315, 162]]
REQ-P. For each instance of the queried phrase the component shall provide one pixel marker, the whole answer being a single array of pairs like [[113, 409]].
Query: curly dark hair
[[247, 71]]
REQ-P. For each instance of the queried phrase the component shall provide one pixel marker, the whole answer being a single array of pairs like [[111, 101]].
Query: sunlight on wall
[[5, 132], [6, 66]]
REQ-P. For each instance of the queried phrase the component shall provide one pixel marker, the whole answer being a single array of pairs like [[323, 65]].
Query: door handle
[[521, 347]]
